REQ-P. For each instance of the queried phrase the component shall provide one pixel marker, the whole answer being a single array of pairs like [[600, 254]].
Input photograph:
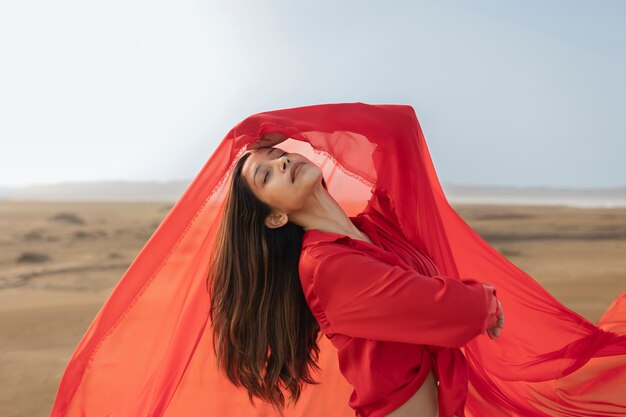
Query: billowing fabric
[[148, 350], [389, 320]]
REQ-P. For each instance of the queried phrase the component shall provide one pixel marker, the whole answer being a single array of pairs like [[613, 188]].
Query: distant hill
[[574, 197], [98, 191], [170, 191]]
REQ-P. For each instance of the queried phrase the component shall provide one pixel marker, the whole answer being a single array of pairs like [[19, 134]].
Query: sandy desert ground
[[59, 262]]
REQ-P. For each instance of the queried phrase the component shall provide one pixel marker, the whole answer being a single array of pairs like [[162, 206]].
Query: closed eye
[[267, 173]]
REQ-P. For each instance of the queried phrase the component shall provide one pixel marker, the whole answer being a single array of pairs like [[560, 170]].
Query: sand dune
[[60, 260]]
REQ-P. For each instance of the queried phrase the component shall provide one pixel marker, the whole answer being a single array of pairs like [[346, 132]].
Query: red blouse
[[391, 315]]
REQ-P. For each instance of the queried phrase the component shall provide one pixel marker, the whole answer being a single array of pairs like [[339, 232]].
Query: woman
[[153, 350], [282, 197]]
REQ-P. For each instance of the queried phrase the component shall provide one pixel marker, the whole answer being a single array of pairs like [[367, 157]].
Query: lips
[[294, 168]]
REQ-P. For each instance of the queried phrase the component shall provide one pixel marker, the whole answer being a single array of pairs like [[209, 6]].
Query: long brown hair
[[264, 334]]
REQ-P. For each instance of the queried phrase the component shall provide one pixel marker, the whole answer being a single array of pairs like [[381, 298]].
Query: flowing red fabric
[[148, 350]]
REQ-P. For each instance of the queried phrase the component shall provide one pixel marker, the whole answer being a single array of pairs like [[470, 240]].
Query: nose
[[283, 162]]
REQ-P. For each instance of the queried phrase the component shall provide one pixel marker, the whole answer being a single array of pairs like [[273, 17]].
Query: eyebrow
[[258, 166]]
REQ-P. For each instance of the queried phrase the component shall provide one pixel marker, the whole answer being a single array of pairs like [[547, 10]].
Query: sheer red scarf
[[148, 350]]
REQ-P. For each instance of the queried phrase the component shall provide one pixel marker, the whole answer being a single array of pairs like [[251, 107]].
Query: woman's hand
[[267, 140], [494, 331]]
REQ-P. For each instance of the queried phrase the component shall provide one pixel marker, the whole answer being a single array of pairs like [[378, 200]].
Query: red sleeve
[[361, 296], [384, 146], [385, 150]]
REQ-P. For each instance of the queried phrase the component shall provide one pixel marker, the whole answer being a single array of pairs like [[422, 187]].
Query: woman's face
[[269, 171]]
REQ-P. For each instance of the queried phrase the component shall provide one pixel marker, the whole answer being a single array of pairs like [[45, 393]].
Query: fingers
[[274, 137], [262, 141], [494, 331], [266, 140]]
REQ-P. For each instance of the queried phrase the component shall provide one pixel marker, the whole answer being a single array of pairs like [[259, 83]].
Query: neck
[[324, 213]]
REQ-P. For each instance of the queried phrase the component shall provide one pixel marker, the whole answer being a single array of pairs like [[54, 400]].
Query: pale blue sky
[[507, 92]]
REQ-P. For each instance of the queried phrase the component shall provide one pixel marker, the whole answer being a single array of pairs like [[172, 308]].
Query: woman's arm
[[361, 296], [387, 153]]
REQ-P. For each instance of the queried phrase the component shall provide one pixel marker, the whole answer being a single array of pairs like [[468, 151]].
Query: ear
[[276, 219]]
